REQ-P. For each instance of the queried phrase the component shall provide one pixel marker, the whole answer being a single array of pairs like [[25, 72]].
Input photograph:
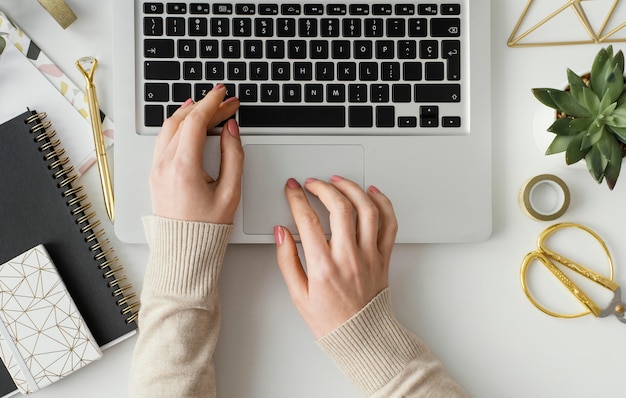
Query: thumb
[[231, 166], [290, 264]]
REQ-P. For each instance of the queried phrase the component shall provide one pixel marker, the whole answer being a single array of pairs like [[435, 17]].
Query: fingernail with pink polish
[[279, 235], [218, 86], [374, 189], [292, 183], [187, 103], [336, 178], [311, 179], [233, 128]]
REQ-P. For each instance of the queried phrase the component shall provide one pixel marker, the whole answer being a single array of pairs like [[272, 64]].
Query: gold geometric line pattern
[[599, 36], [42, 321]]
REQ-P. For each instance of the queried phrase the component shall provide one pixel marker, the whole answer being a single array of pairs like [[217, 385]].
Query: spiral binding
[[64, 174]]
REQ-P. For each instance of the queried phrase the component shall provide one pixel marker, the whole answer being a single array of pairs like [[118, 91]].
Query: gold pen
[[87, 66]]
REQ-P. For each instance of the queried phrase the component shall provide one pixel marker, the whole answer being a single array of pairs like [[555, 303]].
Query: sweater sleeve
[[180, 313], [383, 359]]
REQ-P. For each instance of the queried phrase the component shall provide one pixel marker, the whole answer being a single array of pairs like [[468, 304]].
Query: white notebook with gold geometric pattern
[[43, 336]]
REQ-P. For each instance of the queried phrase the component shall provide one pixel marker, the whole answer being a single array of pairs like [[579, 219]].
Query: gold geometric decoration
[[599, 35]]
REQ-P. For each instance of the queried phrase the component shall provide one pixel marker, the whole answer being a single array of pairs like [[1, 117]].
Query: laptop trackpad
[[267, 168]]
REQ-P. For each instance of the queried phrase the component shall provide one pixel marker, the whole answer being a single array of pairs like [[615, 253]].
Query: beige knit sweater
[[180, 317]]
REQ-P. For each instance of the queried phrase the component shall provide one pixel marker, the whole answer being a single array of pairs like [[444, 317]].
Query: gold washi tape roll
[[530, 200], [60, 11]]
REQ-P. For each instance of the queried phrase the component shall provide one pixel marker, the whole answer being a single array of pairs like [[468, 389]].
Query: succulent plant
[[3, 44], [591, 117]]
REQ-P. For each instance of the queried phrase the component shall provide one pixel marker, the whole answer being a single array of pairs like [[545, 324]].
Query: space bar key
[[292, 116]]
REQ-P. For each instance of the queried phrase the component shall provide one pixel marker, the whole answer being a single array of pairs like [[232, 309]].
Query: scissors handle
[[567, 282]]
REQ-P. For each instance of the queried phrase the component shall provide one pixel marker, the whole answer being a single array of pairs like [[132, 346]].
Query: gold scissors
[[550, 259]]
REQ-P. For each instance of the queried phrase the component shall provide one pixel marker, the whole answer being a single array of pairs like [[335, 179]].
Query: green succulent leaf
[[574, 152], [610, 148], [560, 143], [596, 164], [622, 99], [600, 70], [574, 80], [3, 44], [594, 134], [618, 117], [620, 132], [543, 95], [568, 126], [566, 103], [615, 83], [591, 101]]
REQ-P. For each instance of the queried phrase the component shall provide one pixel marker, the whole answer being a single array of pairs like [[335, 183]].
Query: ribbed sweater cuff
[[371, 348], [185, 257]]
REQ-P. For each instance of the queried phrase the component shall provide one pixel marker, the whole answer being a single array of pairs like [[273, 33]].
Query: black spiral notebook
[[41, 203]]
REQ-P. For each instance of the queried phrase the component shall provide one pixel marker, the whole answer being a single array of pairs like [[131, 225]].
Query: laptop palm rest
[[267, 168]]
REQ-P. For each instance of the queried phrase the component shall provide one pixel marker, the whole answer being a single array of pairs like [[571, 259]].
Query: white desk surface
[[465, 300]]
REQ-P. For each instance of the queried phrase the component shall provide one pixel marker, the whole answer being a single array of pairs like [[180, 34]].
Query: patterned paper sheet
[[15, 36]]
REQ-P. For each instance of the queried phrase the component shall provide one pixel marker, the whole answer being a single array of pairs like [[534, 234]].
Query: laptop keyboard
[[332, 68]]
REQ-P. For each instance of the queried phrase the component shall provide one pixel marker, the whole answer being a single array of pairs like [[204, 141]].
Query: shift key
[[162, 70], [437, 93]]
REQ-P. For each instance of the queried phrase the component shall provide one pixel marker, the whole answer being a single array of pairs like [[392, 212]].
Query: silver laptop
[[395, 95]]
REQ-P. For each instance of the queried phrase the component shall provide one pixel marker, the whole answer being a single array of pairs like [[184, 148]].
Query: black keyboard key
[[153, 8], [176, 8], [200, 90], [429, 49], [405, 9], [351, 27], [384, 49], [157, 92], [340, 49], [445, 27], [451, 50], [346, 71], [281, 71], [313, 93], [198, 26], [412, 71], [381, 9], [359, 9], [290, 9], [222, 8], [187, 48], [231, 49], [245, 9], [335, 93], [275, 49], [296, 49], [360, 116], [220, 26], [268, 9], [450, 9], [236, 70], [208, 49], [153, 115], [292, 93], [401, 93], [318, 49], [427, 9], [242, 27], [158, 48], [390, 71], [396, 27], [336, 9], [363, 49], [292, 116], [302, 71], [214, 71], [181, 92], [434, 71], [379, 93], [329, 27], [264, 27], [418, 27], [153, 26], [407, 49], [385, 116], [175, 26], [270, 92], [429, 116], [307, 27], [286, 27], [368, 71], [161, 70], [199, 8], [374, 27], [248, 93], [192, 70], [437, 93], [313, 9], [357, 93], [324, 71], [253, 49], [259, 71], [407, 121], [451, 121]]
